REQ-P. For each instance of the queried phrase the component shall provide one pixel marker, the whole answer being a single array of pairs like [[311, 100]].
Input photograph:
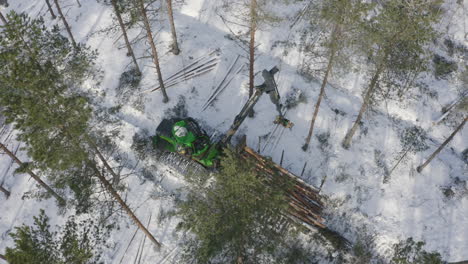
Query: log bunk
[[305, 205]]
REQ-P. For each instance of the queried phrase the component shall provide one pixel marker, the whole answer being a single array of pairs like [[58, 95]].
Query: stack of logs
[[305, 204]]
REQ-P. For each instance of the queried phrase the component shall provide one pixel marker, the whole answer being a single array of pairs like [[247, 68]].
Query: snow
[[409, 205]]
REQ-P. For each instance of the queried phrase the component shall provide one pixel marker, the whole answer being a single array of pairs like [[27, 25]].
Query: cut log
[[305, 205]]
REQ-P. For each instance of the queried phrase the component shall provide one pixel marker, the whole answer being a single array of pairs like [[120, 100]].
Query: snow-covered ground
[[410, 204]]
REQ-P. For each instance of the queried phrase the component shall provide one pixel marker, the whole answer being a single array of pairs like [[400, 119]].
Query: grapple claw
[[284, 122]]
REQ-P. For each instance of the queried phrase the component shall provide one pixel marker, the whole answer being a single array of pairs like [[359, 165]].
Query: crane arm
[[270, 87]]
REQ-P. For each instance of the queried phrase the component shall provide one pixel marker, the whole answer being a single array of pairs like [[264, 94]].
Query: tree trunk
[[365, 103], [67, 27], [3, 19], [253, 29], [115, 176], [175, 46], [421, 167], [122, 203], [111, 189], [5, 191], [50, 9], [124, 32], [33, 175], [153, 50], [322, 88]]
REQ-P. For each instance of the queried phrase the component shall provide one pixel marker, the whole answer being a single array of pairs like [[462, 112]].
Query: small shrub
[[179, 110], [443, 67], [294, 98], [296, 253], [414, 138], [323, 140], [465, 156], [362, 253], [337, 241], [129, 79], [448, 192], [142, 144], [342, 175], [379, 159], [147, 175]]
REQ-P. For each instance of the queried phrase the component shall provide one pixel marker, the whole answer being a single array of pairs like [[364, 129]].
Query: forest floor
[[360, 205]]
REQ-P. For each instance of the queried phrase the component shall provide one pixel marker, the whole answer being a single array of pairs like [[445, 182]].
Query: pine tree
[[37, 66], [395, 41], [76, 242], [412, 252], [39, 77], [235, 217], [343, 18]]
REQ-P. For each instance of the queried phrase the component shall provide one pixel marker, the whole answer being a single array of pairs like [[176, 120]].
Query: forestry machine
[[185, 137], [186, 141]]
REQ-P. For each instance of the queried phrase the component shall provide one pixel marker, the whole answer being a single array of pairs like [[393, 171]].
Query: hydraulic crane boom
[[269, 87]]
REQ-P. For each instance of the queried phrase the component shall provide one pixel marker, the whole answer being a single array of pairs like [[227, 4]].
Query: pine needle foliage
[[40, 72], [412, 252], [233, 215], [396, 42], [76, 242], [341, 20]]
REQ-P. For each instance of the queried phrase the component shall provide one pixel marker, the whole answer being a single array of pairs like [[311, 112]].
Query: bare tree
[[5, 191], [341, 17], [175, 46], [33, 175], [64, 20], [422, 166], [153, 50], [51, 11], [124, 33], [253, 30], [3, 19], [365, 104], [68, 140], [331, 59], [248, 17]]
